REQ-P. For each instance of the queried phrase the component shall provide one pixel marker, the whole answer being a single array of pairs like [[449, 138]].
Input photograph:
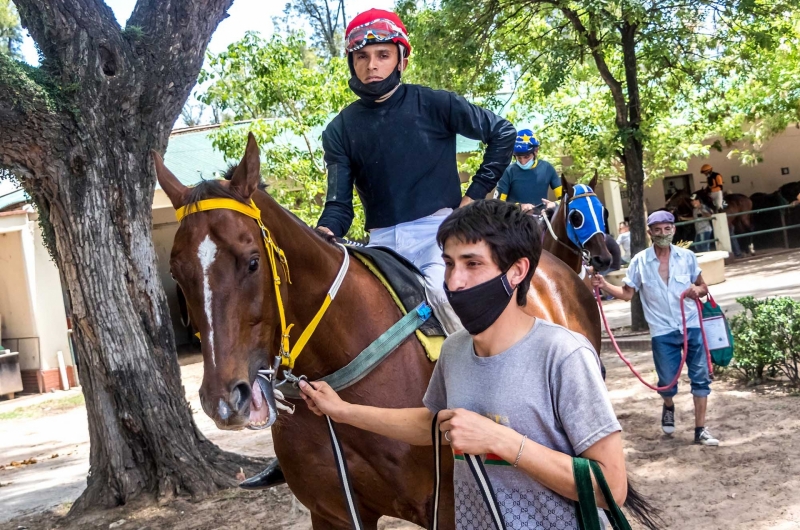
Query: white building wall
[[781, 151], [19, 330], [51, 317]]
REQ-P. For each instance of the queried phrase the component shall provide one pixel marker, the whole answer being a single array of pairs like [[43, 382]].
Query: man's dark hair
[[509, 233]]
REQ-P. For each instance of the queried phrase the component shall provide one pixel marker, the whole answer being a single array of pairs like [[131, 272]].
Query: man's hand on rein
[[695, 292], [322, 401], [472, 433]]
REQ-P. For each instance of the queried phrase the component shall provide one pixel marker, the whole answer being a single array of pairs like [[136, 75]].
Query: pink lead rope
[[685, 343]]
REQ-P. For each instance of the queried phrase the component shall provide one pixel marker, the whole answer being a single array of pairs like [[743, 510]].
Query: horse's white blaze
[[206, 253]]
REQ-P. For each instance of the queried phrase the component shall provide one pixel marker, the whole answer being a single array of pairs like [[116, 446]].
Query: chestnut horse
[[680, 205], [219, 260], [567, 250]]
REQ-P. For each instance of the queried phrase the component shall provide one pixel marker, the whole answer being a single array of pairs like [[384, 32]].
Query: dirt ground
[[752, 481]]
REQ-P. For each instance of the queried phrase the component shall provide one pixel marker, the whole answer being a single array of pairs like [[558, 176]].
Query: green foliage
[[767, 339], [290, 94], [444, 57], [10, 30], [135, 33], [726, 68], [760, 97]]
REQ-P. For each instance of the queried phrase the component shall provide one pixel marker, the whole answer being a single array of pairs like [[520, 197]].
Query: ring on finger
[[447, 436]]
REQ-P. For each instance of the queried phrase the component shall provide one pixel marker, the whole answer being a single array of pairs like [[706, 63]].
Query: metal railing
[[783, 228], [695, 221]]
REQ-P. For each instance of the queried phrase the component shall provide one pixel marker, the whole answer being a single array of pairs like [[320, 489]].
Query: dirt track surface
[[752, 481]]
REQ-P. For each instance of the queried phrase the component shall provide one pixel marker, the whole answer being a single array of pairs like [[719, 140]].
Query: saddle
[[405, 283]]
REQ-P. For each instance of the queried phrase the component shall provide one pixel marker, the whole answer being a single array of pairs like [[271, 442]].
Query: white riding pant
[[716, 196], [416, 241]]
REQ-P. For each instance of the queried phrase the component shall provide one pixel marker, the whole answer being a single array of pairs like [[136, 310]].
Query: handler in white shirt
[[661, 274]]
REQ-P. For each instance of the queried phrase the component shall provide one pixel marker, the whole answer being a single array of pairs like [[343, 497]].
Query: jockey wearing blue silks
[[528, 178]]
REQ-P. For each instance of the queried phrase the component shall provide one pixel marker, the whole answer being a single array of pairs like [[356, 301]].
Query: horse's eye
[[253, 266], [576, 219]]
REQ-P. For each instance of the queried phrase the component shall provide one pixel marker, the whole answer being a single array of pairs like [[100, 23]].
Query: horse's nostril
[[240, 396]]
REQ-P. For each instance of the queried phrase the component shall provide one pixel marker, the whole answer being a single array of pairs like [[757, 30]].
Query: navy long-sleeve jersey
[[400, 155]]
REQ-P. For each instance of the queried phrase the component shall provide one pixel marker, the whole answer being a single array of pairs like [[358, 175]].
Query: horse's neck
[[572, 259], [313, 266]]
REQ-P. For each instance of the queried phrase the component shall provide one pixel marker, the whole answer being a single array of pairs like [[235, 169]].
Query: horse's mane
[[213, 189]]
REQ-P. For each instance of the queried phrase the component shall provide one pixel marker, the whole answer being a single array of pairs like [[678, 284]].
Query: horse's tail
[[642, 510]]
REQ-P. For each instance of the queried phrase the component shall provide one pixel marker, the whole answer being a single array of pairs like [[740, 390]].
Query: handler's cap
[[661, 216], [693, 197]]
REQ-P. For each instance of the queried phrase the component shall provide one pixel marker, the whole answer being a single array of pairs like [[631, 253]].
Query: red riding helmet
[[374, 26]]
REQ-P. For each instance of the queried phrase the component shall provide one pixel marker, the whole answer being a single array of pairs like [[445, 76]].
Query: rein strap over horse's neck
[[275, 255]]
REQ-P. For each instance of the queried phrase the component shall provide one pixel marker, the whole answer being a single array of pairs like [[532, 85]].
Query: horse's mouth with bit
[[260, 410]]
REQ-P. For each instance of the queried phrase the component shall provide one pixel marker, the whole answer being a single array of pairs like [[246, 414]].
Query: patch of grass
[[44, 408]]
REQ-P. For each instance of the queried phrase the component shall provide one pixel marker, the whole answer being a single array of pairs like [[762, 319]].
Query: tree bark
[[634, 160], [77, 132], [628, 119]]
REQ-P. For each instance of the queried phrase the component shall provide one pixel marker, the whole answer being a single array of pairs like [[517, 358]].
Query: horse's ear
[[566, 187], [173, 188], [593, 182], [247, 175]]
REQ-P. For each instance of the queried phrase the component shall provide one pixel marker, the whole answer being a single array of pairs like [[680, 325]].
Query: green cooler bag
[[718, 333]]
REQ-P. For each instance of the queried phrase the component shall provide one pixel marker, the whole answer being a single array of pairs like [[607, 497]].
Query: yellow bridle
[[275, 255]]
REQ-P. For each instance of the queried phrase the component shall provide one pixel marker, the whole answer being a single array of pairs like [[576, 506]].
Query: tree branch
[[30, 119], [595, 46], [62, 29], [171, 37]]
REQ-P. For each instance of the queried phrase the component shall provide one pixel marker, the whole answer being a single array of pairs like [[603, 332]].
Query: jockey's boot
[[271, 476]]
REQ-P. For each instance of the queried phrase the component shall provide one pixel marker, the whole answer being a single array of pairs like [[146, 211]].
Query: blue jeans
[[667, 357], [703, 236]]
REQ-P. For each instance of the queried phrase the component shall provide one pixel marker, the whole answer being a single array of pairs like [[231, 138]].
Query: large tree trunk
[[77, 132], [627, 118], [633, 158]]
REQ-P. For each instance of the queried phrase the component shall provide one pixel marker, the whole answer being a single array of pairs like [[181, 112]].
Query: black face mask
[[371, 92], [478, 307]]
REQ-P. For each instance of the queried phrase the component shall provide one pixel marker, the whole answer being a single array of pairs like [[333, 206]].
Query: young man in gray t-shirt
[[525, 394]]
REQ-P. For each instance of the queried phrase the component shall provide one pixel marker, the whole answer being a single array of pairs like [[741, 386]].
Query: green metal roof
[[192, 158], [14, 197]]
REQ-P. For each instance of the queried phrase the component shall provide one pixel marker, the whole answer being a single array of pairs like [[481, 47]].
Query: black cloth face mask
[[478, 307], [371, 92]]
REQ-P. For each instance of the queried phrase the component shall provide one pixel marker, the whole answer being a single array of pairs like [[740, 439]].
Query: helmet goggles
[[376, 31]]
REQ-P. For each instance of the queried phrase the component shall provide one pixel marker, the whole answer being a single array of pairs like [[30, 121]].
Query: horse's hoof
[[271, 476]]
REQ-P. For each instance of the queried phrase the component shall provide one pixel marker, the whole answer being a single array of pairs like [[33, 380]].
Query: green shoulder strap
[[614, 513], [586, 508]]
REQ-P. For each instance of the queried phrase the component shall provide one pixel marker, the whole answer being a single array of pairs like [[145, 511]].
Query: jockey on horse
[[408, 183], [526, 180]]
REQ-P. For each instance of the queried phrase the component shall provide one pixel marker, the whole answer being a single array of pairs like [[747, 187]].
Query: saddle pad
[[404, 283]]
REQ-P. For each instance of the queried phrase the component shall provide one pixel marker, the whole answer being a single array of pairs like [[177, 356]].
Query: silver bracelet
[[521, 447]]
